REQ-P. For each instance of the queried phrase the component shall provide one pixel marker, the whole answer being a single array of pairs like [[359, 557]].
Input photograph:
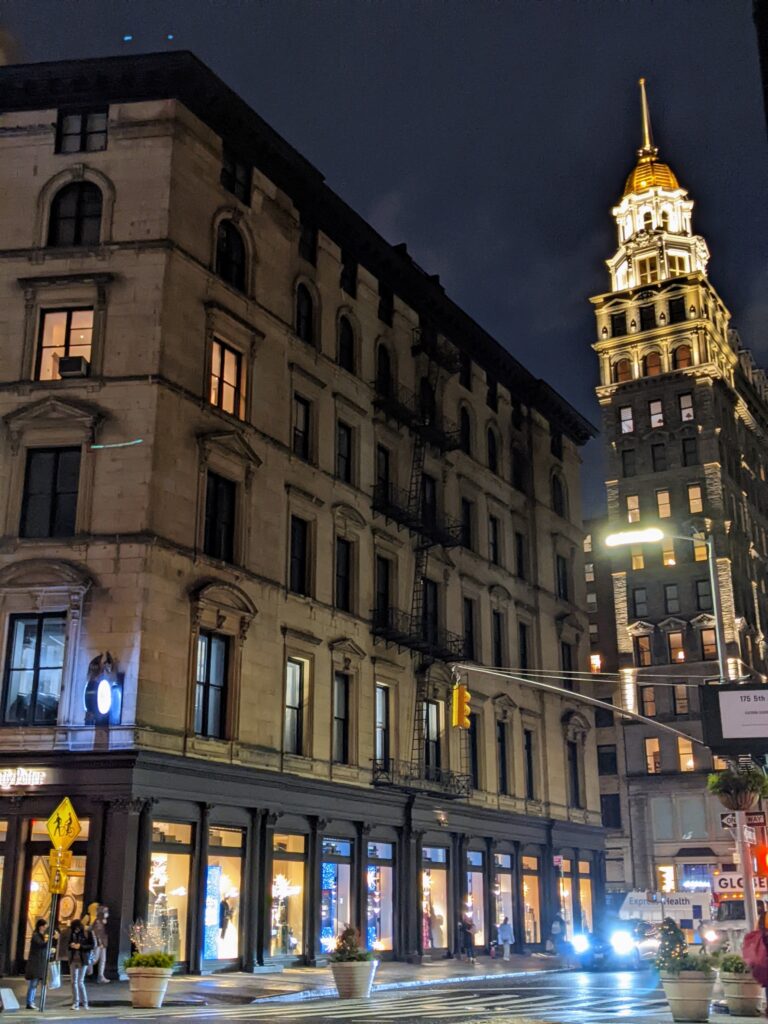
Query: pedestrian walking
[[80, 948], [557, 934], [101, 939], [505, 936], [37, 961], [469, 938]]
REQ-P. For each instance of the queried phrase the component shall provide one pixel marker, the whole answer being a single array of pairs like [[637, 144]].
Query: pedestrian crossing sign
[[64, 825]]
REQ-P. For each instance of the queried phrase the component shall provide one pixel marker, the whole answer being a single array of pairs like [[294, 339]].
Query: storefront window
[[566, 895], [287, 927], [476, 894], [168, 903], [531, 900], [502, 891], [335, 891], [223, 882], [434, 898], [379, 925], [38, 895], [585, 895]]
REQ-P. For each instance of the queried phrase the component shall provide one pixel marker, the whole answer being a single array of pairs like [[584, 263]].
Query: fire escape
[[416, 510]]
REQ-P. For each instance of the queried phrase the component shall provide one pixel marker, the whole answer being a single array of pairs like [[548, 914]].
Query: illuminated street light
[[650, 535]]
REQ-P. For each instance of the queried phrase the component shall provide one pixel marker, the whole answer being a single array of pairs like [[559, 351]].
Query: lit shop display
[[168, 903], [475, 904], [70, 904], [379, 931], [287, 919], [585, 894], [434, 897], [223, 881], [531, 900], [335, 891], [502, 890]]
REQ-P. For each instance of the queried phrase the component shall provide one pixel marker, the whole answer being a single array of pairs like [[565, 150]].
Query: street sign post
[[63, 827], [755, 819], [749, 835]]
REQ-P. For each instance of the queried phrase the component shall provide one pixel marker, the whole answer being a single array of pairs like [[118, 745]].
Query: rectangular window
[[386, 304], [561, 569], [469, 628], [589, 572], [648, 273], [298, 574], [638, 558], [49, 505], [492, 393], [530, 773], [643, 655], [227, 384], [663, 506], [566, 663], [220, 513], [344, 452], [659, 457], [690, 455], [607, 762], [676, 306], [610, 810], [382, 744], [293, 725], [652, 755], [685, 403], [308, 242], [430, 611], [497, 638], [574, 779], [465, 370], [591, 603], [348, 276], [474, 752], [302, 426], [626, 419], [703, 595], [628, 462], [81, 131], [695, 502], [520, 560], [383, 470], [556, 443], [668, 557], [640, 601], [236, 176], [604, 717], [700, 552], [432, 752], [676, 647], [708, 645], [648, 701], [647, 317], [671, 598], [34, 669], [341, 718], [618, 325], [523, 645], [428, 499], [494, 539], [656, 413], [343, 574], [633, 508], [64, 334], [467, 516], [680, 699], [502, 759], [383, 588], [211, 684], [685, 755]]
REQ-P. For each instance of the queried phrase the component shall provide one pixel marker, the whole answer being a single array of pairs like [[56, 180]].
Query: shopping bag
[[54, 974]]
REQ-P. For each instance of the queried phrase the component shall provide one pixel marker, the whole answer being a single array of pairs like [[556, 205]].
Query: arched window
[[427, 406], [305, 310], [493, 451], [230, 255], [652, 364], [622, 371], [558, 496], [665, 220], [682, 357], [383, 371], [647, 220], [346, 350], [465, 431], [75, 215]]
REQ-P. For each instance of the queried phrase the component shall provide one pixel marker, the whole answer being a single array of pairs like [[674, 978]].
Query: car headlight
[[622, 943], [580, 943], [711, 936]]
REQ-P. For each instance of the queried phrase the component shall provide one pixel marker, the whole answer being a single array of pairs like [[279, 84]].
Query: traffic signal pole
[[48, 948], [744, 851]]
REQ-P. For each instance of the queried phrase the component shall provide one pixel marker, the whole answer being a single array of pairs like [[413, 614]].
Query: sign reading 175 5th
[[735, 718]]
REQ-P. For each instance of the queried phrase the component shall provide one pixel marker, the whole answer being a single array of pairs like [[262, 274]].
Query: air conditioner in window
[[73, 366]]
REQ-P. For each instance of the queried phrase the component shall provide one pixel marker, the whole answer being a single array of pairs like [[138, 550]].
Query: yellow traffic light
[[460, 709]]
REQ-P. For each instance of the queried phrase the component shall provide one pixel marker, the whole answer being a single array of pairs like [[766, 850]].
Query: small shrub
[[732, 963], [150, 960], [735, 784], [348, 948]]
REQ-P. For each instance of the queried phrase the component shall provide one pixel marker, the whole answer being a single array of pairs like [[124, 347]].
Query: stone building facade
[[263, 483], [685, 421]]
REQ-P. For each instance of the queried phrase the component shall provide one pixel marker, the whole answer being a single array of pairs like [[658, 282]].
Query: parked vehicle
[[616, 946]]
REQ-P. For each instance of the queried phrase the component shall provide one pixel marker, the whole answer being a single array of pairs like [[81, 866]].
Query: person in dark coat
[[80, 946], [37, 961]]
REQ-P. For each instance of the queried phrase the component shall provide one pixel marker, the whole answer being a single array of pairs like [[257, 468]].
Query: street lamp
[[653, 535]]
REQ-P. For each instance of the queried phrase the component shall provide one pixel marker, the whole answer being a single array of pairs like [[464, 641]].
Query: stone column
[[124, 874], [252, 891], [14, 865], [518, 915], [197, 905], [264, 885], [312, 908], [359, 877]]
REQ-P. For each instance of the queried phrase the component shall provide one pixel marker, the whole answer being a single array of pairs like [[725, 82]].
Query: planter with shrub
[[353, 968], [738, 790], [742, 993], [148, 975], [687, 979]]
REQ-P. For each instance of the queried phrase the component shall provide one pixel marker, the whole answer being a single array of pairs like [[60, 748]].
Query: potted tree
[[742, 993], [353, 968], [148, 968], [738, 790], [687, 979]]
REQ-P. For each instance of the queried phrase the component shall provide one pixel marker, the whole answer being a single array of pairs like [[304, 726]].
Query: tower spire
[[648, 149]]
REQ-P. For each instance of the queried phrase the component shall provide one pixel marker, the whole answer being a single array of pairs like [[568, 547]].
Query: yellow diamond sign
[[58, 882], [63, 825]]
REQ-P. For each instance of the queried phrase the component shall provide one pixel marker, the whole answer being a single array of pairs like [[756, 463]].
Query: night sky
[[493, 138]]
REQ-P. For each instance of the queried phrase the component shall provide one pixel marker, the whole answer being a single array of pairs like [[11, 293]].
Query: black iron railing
[[401, 404], [440, 351], [402, 629], [420, 778], [395, 503]]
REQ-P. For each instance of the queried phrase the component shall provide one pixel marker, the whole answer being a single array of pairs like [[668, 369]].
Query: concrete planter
[[688, 994], [742, 993], [148, 985], [738, 801], [354, 978]]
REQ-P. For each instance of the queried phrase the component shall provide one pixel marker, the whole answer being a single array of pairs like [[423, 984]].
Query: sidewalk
[[290, 984]]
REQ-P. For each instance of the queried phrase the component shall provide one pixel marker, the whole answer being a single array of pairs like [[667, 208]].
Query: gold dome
[[650, 173]]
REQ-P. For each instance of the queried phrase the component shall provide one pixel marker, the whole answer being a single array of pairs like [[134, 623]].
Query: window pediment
[[346, 651], [672, 624], [499, 594], [575, 725], [231, 442], [348, 514], [641, 628], [504, 705], [705, 621], [34, 573], [50, 414]]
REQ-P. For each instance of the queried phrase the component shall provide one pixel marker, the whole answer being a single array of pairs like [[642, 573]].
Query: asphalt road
[[577, 998]]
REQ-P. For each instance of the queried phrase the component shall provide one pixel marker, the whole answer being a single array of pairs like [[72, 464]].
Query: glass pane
[[475, 858], [476, 904], [52, 643], [202, 656], [232, 837], [3, 836], [223, 881], [218, 660], [531, 907], [530, 863], [39, 899], [286, 843], [335, 902], [585, 895], [434, 908], [171, 832], [379, 931], [377, 851], [337, 847], [435, 854], [293, 685], [47, 700], [169, 898], [503, 898], [503, 860], [566, 904], [287, 917]]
